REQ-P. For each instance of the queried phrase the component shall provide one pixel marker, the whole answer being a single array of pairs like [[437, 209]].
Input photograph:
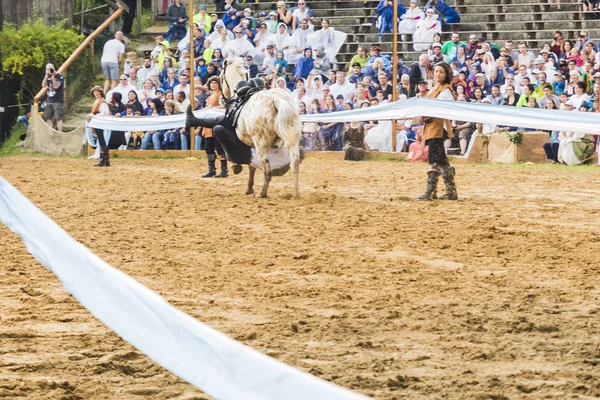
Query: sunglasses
[[124, 79], [238, 33]]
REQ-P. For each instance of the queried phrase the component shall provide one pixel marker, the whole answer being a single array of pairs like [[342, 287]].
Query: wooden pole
[[138, 16], [88, 40], [192, 68], [394, 69]]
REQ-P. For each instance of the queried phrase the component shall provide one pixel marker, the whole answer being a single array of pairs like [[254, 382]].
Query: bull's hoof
[[260, 196], [236, 168], [249, 191]]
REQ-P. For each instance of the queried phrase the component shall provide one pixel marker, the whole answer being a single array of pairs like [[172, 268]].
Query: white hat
[[49, 66]]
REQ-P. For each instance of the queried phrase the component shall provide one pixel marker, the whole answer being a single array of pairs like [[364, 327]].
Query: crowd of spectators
[[285, 47]]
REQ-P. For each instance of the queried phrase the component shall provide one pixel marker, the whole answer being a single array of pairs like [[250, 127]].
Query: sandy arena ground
[[495, 296]]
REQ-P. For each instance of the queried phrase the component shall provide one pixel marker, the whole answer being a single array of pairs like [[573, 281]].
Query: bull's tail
[[289, 128]]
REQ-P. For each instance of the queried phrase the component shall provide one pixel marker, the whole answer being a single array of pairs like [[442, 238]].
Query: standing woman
[[101, 108], [211, 145], [436, 131]]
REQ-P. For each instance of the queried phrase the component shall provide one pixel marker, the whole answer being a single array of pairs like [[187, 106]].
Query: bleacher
[[498, 20]]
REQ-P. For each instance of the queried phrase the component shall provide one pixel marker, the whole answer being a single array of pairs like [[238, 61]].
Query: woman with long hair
[[435, 132], [212, 147], [100, 108], [331, 132], [511, 98]]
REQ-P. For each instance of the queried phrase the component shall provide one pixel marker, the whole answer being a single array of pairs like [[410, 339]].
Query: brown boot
[[448, 173]]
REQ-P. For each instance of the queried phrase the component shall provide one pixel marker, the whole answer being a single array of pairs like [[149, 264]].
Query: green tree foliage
[[27, 49]]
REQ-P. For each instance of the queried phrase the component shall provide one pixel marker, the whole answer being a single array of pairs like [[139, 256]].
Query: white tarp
[[206, 358], [522, 117]]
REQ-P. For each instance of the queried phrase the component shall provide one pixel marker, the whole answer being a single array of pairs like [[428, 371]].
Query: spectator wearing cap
[[284, 15], [251, 67], [422, 89], [356, 75], [506, 54], [437, 55], [303, 12], [268, 62], [559, 83], [376, 55], [420, 71], [321, 61], [385, 16], [452, 17], [298, 42], [550, 60], [342, 86], [202, 18], [272, 22], [450, 47], [247, 14]]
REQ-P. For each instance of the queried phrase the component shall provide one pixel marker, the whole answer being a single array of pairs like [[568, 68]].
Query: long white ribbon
[[522, 117], [206, 358]]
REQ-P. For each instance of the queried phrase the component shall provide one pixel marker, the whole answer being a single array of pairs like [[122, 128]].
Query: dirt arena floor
[[495, 296]]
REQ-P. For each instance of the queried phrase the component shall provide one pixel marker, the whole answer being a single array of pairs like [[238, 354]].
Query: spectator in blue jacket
[[445, 10]]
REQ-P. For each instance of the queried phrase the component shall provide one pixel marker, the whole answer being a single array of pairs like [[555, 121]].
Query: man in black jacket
[[418, 72]]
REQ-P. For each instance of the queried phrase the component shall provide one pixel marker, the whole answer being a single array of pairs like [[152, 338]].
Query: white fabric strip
[[416, 107], [206, 358]]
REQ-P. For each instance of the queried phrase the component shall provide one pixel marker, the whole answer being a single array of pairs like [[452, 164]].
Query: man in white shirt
[[341, 86], [303, 12], [239, 47], [269, 61], [183, 85], [112, 56], [146, 71], [124, 87], [524, 57]]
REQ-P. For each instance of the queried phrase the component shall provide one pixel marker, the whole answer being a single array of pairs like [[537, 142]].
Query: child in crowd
[[130, 62]]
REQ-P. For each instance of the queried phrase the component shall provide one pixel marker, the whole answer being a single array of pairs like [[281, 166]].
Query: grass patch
[[9, 148]]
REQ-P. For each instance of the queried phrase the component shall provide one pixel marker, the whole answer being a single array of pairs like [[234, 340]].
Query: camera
[[51, 70]]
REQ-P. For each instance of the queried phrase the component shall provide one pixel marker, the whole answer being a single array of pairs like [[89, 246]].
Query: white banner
[[206, 358], [523, 117]]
